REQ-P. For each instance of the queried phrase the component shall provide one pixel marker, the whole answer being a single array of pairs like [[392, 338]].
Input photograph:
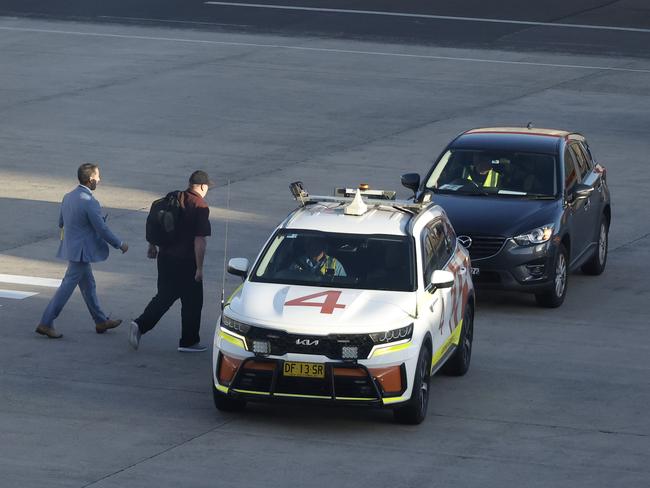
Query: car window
[[502, 173], [451, 237], [312, 258], [580, 159], [587, 155], [436, 249], [570, 171]]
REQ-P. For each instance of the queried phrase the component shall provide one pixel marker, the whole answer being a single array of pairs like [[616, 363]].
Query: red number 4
[[328, 306]]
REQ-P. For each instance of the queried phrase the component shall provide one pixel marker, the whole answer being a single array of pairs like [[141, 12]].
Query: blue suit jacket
[[85, 234]]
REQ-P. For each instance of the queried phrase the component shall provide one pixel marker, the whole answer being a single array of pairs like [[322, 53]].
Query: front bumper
[[517, 268], [383, 379], [259, 379]]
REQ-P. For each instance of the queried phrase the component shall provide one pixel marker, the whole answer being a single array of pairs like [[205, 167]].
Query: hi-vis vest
[[327, 264], [491, 179]]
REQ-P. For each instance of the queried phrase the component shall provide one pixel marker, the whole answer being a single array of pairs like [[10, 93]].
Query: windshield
[[500, 173], [369, 262]]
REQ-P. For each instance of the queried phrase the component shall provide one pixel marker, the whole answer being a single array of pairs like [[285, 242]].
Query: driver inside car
[[483, 174], [317, 261]]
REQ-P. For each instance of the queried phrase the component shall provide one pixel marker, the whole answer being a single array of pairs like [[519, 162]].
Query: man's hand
[[124, 247], [198, 277], [152, 252]]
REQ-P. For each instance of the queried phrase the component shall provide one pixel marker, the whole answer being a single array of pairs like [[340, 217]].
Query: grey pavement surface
[[554, 398], [621, 26]]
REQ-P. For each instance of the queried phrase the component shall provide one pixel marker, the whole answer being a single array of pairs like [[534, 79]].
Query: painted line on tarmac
[[428, 16], [16, 295], [29, 280], [322, 50], [170, 21]]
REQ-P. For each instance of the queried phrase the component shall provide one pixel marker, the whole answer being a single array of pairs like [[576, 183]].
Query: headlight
[[535, 236], [392, 335], [234, 325]]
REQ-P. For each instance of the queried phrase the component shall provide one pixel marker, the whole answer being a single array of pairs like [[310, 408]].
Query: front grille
[[485, 246], [342, 381], [329, 346]]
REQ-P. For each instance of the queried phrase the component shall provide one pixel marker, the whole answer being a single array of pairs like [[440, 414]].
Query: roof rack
[[375, 198]]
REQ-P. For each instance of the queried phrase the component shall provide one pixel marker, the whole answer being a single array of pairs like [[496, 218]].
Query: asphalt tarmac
[[576, 26], [554, 398]]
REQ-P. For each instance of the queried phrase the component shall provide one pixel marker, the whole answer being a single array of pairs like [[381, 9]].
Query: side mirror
[[582, 191], [411, 181], [238, 267], [441, 279]]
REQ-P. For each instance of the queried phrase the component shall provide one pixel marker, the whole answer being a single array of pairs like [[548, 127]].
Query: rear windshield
[[499, 173], [312, 258]]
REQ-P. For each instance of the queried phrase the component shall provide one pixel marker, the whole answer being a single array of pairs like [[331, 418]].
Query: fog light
[[349, 352], [261, 347], [536, 270]]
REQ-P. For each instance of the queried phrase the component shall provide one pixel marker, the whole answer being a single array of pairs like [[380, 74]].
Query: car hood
[[316, 310], [496, 215]]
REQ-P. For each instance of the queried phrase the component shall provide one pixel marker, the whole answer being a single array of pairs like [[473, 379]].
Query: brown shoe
[[50, 332], [104, 326]]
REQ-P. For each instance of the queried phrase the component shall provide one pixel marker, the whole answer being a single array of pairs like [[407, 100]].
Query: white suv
[[356, 298]]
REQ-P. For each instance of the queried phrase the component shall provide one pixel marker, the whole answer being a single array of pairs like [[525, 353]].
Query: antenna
[[225, 247]]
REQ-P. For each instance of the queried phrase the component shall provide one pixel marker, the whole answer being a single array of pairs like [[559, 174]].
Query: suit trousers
[[176, 280], [78, 274]]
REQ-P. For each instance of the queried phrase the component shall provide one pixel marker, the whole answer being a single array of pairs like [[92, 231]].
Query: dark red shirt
[[195, 222]]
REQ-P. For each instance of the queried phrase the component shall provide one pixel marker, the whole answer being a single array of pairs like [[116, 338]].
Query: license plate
[[304, 370], [475, 271]]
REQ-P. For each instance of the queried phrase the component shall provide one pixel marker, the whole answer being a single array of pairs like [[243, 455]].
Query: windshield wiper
[[539, 197], [477, 193]]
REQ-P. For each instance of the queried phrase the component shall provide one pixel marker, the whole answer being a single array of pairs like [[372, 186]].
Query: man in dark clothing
[[180, 269]]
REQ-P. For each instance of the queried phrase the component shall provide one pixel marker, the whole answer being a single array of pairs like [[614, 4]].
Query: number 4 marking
[[328, 306]]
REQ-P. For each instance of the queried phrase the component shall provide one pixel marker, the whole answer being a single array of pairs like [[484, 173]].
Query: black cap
[[201, 178]]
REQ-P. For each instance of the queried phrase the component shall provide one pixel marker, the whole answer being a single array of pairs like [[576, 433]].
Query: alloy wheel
[[602, 244], [424, 386], [560, 275]]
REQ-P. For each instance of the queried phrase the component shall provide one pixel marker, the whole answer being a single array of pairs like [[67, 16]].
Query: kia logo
[[466, 241], [307, 342]]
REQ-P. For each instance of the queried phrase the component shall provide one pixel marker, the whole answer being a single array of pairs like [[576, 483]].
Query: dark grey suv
[[530, 205]]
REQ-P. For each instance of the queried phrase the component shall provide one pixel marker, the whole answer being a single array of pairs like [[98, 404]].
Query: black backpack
[[164, 219]]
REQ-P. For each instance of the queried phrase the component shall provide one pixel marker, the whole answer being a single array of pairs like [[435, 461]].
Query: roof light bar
[[377, 198]]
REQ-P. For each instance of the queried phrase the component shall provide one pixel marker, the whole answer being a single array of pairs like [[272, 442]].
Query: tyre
[[554, 296], [415, 410], [224, 403], [596, 264], [458, 363]]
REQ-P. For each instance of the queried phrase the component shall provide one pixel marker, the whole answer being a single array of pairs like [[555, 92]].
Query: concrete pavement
[[553, 398]]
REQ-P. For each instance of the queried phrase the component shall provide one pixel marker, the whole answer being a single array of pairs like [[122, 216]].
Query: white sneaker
[[198, 347], [134, 335]]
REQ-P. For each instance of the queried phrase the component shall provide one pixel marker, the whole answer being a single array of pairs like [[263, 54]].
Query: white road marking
[[429, 16], [170, 21], [16, 295], [29, 280], [322, 50]]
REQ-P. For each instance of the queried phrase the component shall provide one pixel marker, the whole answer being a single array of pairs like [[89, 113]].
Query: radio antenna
[[225, 247]]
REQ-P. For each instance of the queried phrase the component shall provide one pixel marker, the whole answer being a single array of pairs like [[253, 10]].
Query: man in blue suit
[[85, 239]]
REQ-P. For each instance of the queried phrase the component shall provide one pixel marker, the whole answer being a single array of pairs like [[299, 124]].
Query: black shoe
[[197, 347]]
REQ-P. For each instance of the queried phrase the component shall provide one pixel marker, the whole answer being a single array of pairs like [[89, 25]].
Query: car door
[[574, 207], [593, 179], [586, 209], [437, 302]]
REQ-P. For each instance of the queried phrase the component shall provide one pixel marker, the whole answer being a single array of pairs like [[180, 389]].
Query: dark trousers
[[176, 280]]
